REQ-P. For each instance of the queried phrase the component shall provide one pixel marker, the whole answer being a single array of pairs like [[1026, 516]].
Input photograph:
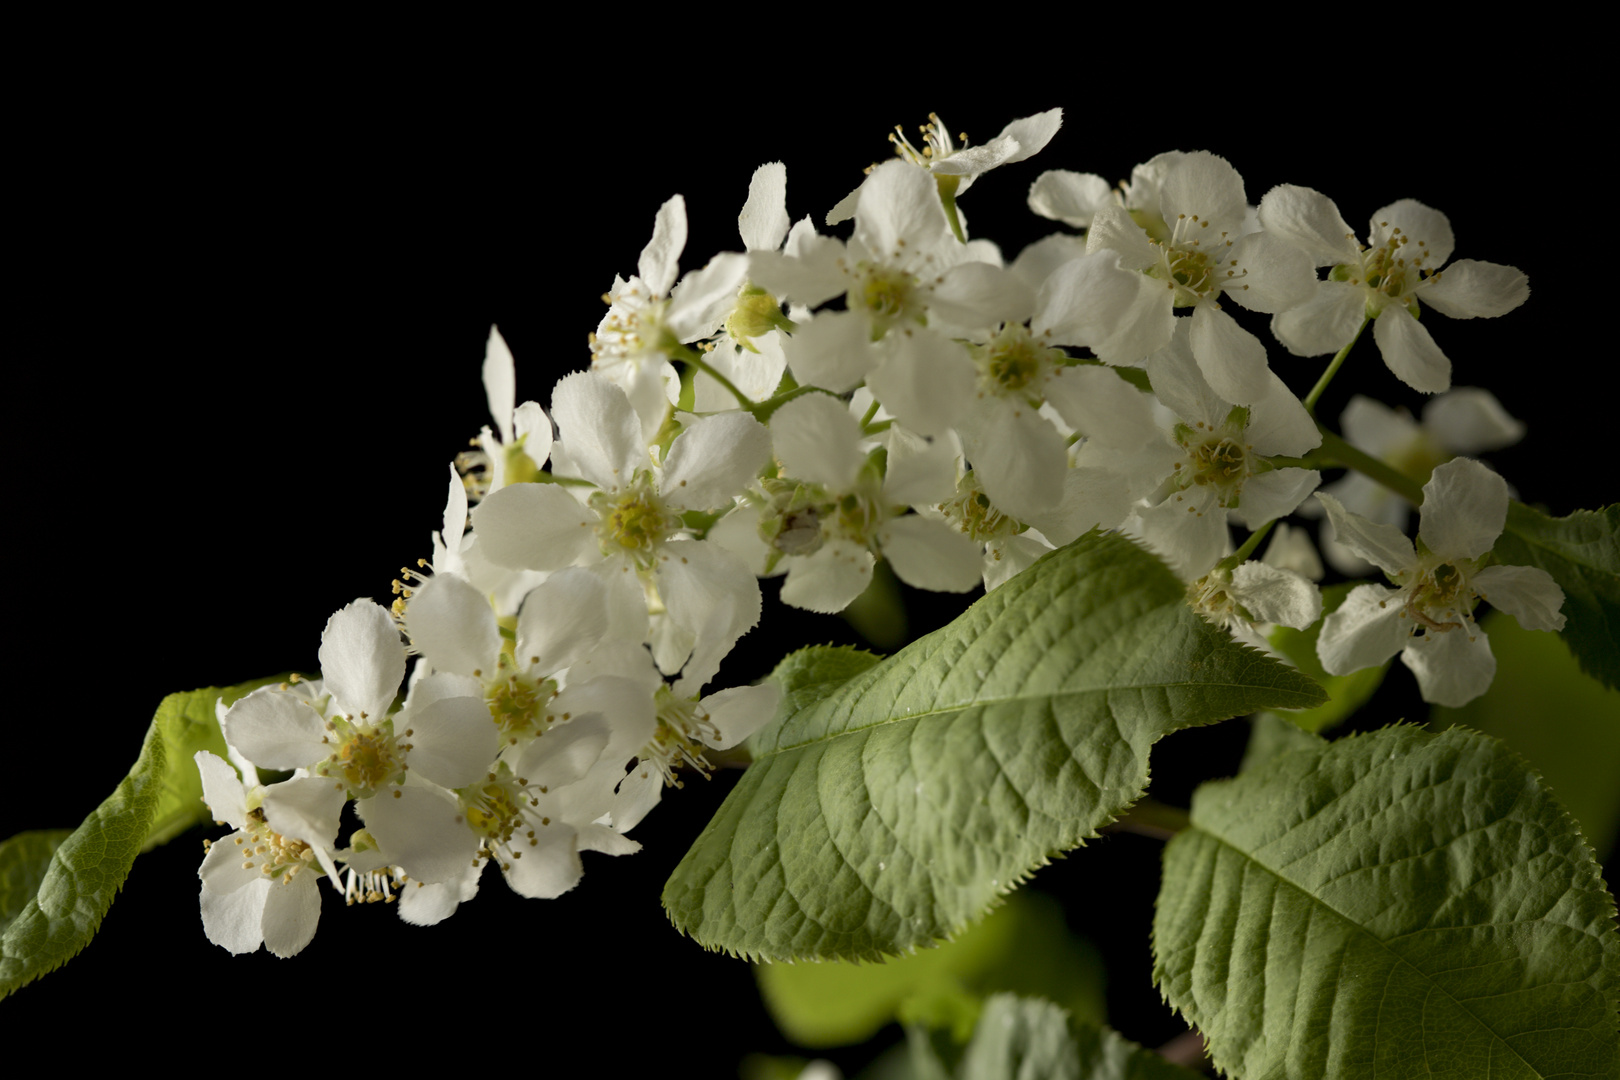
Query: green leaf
[[896, 807], [1030, 1039], [187, 724], [1582, 553], [1346, 693], [24, 858], [1398, 904], [1022, 947], [57, 885], [1566, 724], [84, 873]]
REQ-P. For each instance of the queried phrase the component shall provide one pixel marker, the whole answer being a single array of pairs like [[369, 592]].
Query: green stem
[[1237, 557], [867, 419], [1149, 817], [1332, 370], [947, 195], [1339, 452]]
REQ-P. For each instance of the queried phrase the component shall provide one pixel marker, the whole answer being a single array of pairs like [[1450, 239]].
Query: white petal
[[1275, 494], [1279, 424], [919, 472], [500, 385], [1310, 220], [275, 729], [452, 741], [533, 426], [1100, 405], [421, 830], [739, 711], [1121, 315], [899, 209], [1376, 428], [704, 298], [764, 220], [452, 624], [1205, 185], [833, 351], [1114, 230], [1092, 498], [292, 911], [1018, 456], [1464, 509], [235, 920], [1003, 559], [818, 441], [711, 595], [926, 380], [1452, 668], [548, 869], [222, 790], [1278, 596], [714, 460], [1324, 323], [562, 619], [808, 272], [660, 259], [1366, 630], [1231, 358], [429, 905], [1527, 593], [1467, 420], [1410, 352], [829, 579], [977, 295], [1271, 275], [600, 429], [1187, 530], [626, 703], [1424, 227], [1385, 546], [533, 527], [362, 659], [928, 554], [1470, 289], [305, 808], [1070, 197], [566, 752]]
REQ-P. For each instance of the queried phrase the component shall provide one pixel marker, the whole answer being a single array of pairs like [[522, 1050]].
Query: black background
[[252, 314]]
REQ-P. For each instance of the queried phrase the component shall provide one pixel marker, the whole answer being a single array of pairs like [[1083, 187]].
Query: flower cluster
[[904, 395]]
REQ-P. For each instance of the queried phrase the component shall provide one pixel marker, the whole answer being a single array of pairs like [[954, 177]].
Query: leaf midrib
[[983, 702]]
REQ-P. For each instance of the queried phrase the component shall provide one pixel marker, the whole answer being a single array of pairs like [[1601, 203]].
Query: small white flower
[[1429, 617], [1405, 258]]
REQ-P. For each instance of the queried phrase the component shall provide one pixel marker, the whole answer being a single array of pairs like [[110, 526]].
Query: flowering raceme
[[813, 406]]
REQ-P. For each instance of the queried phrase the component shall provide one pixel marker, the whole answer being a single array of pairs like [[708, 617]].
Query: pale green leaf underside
[[1391, 905], [71, 885], [890, 810], [1582, 553]]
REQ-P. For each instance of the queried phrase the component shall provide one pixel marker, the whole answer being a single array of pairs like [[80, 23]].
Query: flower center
[[517, 705], [683, 728], [1192, 268], [971, 511], [279, 857], [1389, 272], [888, 295], [367, 758], [633, 522], [1011, 364]]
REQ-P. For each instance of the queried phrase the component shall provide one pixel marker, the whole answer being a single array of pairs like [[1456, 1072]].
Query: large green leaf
[[56, 886], [1582, 553], [1022, 947], [1398, 904], [83, 874], [1566, 724], [888, 811]]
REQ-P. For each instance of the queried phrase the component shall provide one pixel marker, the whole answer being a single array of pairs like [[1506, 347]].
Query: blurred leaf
[[1022, 947], [1564, 722], [1582, 553]]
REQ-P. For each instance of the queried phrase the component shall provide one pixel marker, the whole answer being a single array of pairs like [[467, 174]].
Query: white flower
[[258, 883], [1203, 258], [1212, 466], [1429, 617], [1407, 246], [650, 316]]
